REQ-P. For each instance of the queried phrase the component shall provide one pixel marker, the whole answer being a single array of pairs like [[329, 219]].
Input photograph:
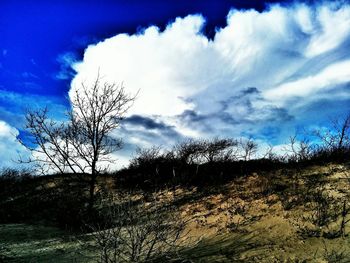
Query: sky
[[254, 69]]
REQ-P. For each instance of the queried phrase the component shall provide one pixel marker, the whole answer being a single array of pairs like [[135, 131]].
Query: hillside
[[295, 214]]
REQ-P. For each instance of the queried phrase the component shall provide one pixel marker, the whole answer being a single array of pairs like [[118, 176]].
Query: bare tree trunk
[[91, 195], [92, 187]]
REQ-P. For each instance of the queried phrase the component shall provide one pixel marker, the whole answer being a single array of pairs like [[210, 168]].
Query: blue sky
[[260, 69]]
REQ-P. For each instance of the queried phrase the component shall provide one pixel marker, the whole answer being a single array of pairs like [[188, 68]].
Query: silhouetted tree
[[249, 148], [201, 151], [337, 138], [146, 156], [81, 145], [219, 149], [298, 150], [189, 151]]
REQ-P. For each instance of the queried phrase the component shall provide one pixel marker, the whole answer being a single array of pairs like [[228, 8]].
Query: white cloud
[[146, 62], [10, 148], [333, 28], [200, 87], [6, 131], [328, 78]]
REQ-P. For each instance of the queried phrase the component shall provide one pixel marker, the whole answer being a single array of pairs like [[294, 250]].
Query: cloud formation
[[10, 148], [262, 75]]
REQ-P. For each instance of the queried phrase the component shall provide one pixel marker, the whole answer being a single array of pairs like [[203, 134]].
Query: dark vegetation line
[[210, 162], [25, 197]]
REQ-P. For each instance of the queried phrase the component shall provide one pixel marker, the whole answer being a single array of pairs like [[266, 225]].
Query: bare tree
[[189, 151], [219, 149], [270, 155], [83, 143], [337, 138], [298, 151], [249, 148], [201, 151], [146, 156], [136, 231]]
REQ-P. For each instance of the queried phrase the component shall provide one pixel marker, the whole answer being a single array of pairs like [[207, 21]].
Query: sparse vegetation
[[136, 231], [236, 207]]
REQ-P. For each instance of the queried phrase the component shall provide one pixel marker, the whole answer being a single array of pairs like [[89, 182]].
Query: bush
[[135, 231]]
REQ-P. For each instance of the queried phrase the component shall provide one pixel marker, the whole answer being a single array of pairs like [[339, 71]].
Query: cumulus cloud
[[10, 148], [262, 75]]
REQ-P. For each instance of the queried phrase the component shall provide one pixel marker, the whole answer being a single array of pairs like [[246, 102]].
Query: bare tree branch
[[83, 143]]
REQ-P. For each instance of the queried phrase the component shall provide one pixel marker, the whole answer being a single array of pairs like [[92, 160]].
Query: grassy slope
[[35, 243], [253, 219]]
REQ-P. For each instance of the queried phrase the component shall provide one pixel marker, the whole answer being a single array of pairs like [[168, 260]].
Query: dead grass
[[257, 218]]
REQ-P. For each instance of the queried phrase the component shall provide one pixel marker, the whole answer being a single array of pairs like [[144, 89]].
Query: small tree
[[298, 151], [248, 149], [136, 231], [337, 138], [81, 145], [189, 151], [219, 149], [201, 151]]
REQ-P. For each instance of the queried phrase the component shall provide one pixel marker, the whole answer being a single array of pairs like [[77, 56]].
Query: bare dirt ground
[[275, 213], [261, 217]]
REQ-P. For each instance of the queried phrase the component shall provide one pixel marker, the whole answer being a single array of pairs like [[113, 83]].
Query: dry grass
[[258, 218]]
